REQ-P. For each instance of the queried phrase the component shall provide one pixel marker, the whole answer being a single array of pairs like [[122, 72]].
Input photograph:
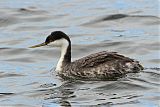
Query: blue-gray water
[[130, 27]]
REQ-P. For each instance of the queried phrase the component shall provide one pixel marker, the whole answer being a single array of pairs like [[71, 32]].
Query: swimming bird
[[98, 66]]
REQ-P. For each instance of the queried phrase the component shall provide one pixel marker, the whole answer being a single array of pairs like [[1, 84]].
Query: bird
[[102, 65]]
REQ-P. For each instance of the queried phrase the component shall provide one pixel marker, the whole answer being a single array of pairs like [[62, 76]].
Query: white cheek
[[55, 43], [58, 43]]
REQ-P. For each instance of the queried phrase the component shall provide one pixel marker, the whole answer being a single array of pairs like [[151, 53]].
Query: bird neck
[[65, 57]]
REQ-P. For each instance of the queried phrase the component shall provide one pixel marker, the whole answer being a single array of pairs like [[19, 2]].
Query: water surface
[[27, 76]]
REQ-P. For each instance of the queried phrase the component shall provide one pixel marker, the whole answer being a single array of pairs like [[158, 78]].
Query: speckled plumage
[[100, 66]]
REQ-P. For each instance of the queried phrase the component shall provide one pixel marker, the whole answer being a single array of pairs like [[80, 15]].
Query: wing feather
[[101, 57]]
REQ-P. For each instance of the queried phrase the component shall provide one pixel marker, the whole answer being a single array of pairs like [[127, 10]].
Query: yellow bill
[[39, 45]]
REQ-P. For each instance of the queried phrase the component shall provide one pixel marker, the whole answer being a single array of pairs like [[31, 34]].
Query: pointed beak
[[39, 45]]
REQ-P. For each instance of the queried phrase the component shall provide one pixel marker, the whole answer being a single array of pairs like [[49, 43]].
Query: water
[[128, 27]]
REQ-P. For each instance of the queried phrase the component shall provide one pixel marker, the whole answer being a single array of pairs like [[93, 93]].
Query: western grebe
[[98, 66]]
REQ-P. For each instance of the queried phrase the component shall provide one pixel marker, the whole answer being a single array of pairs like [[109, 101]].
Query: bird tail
[[134, 66]]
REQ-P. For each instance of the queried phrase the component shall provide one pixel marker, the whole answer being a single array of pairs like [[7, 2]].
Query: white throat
[[63, 43]]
